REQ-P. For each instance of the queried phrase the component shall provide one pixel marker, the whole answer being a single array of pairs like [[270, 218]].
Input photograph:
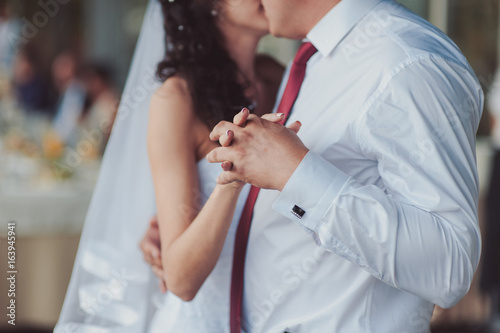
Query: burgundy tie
[[292, 89]]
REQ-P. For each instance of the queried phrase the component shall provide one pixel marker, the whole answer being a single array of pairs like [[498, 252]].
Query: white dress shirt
[[389, 110]]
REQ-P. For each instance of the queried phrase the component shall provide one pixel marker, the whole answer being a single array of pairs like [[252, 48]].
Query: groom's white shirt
[[389, 108]]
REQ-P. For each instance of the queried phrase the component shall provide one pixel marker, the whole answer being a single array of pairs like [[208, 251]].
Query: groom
[[370, 217]]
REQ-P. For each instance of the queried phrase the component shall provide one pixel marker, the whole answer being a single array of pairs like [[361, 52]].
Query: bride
[[209, 71]]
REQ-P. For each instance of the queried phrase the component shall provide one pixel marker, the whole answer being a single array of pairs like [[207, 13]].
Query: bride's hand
[[151, 248], [241, 119]]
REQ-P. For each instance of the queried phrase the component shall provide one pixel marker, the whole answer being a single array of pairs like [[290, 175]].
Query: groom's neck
[[316, 12], [293, 19]]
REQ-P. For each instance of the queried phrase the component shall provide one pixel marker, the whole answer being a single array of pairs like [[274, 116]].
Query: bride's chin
[[259, 32], [261, 26], [264, 30]]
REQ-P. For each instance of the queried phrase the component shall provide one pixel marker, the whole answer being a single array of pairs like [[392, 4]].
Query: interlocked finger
[[241, 118], [295, 126], [221, 129], [227, 177], [273, 117], [226, 139]]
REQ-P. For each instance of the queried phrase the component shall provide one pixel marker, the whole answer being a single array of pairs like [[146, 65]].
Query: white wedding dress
[[209, 310]]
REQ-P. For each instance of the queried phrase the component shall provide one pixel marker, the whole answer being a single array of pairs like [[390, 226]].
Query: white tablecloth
[[58, 208]]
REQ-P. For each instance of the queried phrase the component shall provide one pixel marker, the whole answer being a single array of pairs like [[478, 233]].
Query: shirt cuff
[[310, 191]]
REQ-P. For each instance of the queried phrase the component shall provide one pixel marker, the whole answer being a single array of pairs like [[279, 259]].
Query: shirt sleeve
[[417, 232]]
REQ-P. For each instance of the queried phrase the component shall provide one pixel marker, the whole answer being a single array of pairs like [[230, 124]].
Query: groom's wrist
[[293, 163]]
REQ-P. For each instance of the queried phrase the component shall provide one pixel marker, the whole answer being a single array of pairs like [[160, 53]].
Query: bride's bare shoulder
[[173, 100], [172, 115], [171, 103], [173, 87]]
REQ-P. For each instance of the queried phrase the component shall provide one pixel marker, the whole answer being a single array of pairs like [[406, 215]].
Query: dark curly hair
[[195, 50]]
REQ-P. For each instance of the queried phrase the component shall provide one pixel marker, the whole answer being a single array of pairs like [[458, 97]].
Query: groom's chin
[[281, 33]]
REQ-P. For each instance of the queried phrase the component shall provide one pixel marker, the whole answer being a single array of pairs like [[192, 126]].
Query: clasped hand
[[257, 150], [254, 150]]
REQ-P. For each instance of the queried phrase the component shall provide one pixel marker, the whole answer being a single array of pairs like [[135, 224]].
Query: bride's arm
[[191, 239]]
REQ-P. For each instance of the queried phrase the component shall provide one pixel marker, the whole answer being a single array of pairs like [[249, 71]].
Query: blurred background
[[63, 65]]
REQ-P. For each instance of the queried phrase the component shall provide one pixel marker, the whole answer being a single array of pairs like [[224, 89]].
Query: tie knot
[[306, 51]]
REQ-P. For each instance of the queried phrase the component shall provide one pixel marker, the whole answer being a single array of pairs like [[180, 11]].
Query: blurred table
[[49, 216], [60, 208]]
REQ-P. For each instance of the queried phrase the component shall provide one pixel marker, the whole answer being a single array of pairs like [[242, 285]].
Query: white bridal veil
[[111, 288]]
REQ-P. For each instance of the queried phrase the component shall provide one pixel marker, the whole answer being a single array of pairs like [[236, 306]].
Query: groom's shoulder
[[403, 35], [391, 39]]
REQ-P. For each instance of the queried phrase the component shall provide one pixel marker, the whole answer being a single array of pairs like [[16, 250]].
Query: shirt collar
[[335, 25]]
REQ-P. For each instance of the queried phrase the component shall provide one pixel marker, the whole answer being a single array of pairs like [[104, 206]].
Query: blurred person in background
[[31, 88], [72, 97], [9, 32], [101, 102], [490, 277]]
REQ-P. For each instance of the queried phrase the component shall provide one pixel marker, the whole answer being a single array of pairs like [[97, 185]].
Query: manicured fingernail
[[227, 133], [279, 115], [245, 110]]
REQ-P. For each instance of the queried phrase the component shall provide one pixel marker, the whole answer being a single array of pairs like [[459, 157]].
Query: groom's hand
[[240, 120], [151, 248], [262, 153]]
